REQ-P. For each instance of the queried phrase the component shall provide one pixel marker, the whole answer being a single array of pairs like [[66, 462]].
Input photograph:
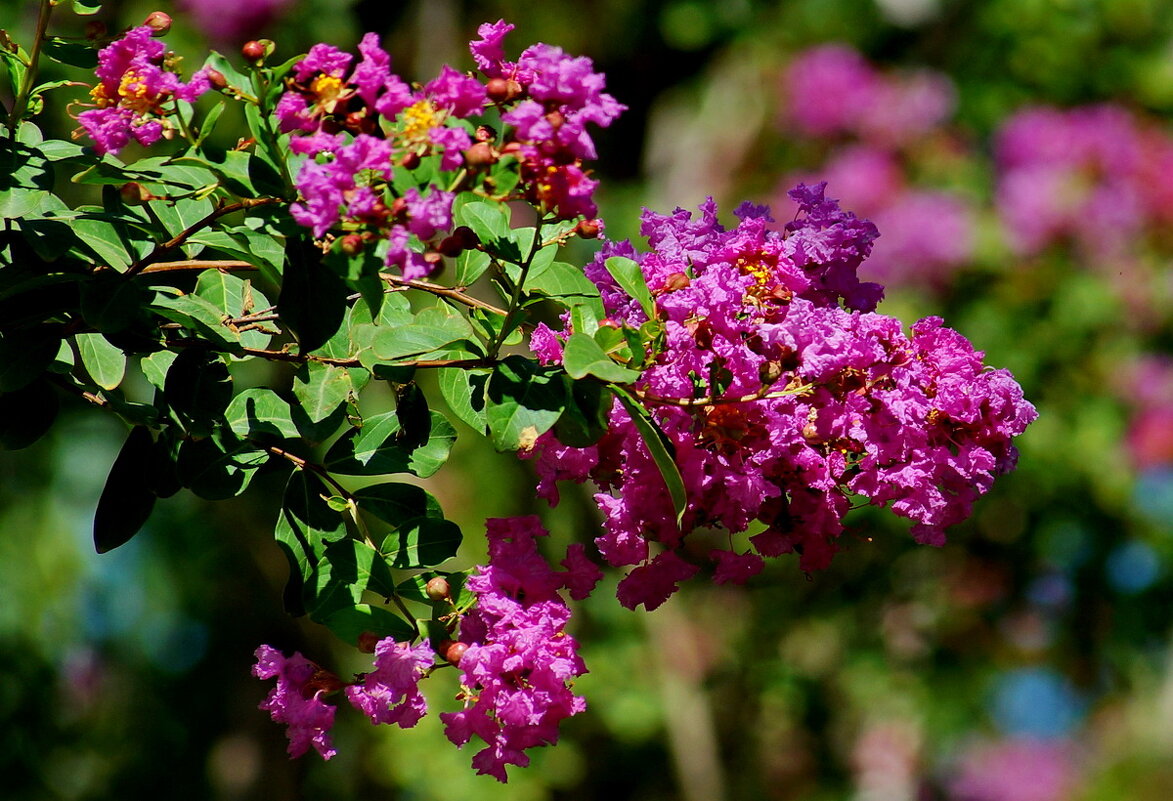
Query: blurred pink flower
[[233, 20], [1018, 769]]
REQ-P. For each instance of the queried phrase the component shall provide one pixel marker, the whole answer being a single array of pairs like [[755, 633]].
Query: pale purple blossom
[[390, 693]]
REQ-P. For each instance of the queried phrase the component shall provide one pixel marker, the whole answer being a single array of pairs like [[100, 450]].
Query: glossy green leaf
[[74, 54], [464, 392], [234, 298], [422, 542], [489, 221], [471, 265], [582, 356], [396, 504], [431, 330], [197, 314], [105, 363], [376, 448], [566, 284], [630, 277], [321, 389], [260, 412], [126, 500], [156, 365], [523, 401], [660, 448], [352, 622], [348, 568]]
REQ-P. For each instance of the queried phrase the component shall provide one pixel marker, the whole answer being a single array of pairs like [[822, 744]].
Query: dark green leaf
[[218, 466], [26, 414], [585, 420], [566, 284], [198, 315], [26, 354], [111, 304], [305, 526], [312, 301], [582, 356], [348, 568], [660, 448], [126, 501], [198, 388], [376, 448], [396, 504], [422, 542], [86, 8], [523, 401], [71, 53], [432, 329], [488, 220]]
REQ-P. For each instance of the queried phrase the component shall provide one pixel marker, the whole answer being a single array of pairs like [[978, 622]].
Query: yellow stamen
[[419, 119]]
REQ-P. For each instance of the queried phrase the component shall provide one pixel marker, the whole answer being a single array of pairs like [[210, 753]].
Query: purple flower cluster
[[133, 85], [554, 97], [520, 663], [359, 122], [388, 694], [832, 91], [231, 20], [1058, 171], [782, 393], [1017, 769]]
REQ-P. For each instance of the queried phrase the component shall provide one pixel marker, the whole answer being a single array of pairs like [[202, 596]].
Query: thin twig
[[224, 265], [184, 235], [454, 293], [711, 401]]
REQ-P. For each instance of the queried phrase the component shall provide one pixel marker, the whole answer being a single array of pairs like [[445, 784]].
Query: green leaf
[[126, 501], [471, 265], [261, 412], [414, 589], [86, 8], [660, 448], [422, 542], [105, 363], [585, 419], [106, 239], [178, 215], [348, 568], [198, 315], [582, 356], [198, 388], [26, 353], [312, 301], [489, 221], [304, 528], [352, 622], [432, 329], [630, 277], [26, 414], [209, 123], [321, 389], [234, 298], [71, 53], [218, 466], [156, 365], [464, 392], [376, 448], [566, 284], [523, 401], [396, 504], [111, 304]]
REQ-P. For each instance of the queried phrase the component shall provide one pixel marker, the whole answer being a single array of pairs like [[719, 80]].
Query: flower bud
[[437, 589], [769, 372], [589, 229], [158, 22], [410, 160], [676, 281], [253, 50], [484, 133], [399, 208], [216, 79], [367, 642], [95, 29], [480, 155], [810, 433], [453, 651], [351, 244], [607, 322], [502, 90]]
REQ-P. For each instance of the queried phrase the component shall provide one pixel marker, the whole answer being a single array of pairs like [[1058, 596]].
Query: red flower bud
[[217, 79], [480, 155], [410, 160], [367, 642], [502, 90], [676, 281], [253, 50], [589, 229], [158, 22], [453, 651], [351, 244], [484, 133], [437, 589]]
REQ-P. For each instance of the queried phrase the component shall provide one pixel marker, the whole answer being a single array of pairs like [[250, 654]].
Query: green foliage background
[[126, 675]]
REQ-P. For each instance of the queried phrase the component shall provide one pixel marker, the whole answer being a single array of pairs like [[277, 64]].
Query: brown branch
[[227, 266], [69, 386], [184, 235], [453, 293]]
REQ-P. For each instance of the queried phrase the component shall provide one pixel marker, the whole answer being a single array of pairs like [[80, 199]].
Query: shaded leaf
[[422, 542], [395, 504], [26, 354], [304, 528], [523, 401], [351, 622], [464, 392], [321, 389], [260, 412], [218, 466], [26, 414], [376, 448], [126, 501]]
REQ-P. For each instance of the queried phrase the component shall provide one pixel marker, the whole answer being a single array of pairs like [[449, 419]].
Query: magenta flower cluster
[[877, 118], [517, 662], [134, 84], [783, 394], [358, 122]]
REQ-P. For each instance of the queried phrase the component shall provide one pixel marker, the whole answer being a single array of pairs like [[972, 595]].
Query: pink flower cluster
[[1016, 769], [134, 84], [520, 663], [358, 123], [1095, 175], [832, 91], [782, 394], [388, 694], [516, 660]]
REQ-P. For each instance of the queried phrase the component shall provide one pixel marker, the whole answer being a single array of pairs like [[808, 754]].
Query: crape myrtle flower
[[557, 96], [390, 693], [782, 392], [297, 701], [134, 84], [517, 671]]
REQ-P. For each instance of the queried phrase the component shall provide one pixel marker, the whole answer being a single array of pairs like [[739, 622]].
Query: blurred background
[[1017, 156]]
